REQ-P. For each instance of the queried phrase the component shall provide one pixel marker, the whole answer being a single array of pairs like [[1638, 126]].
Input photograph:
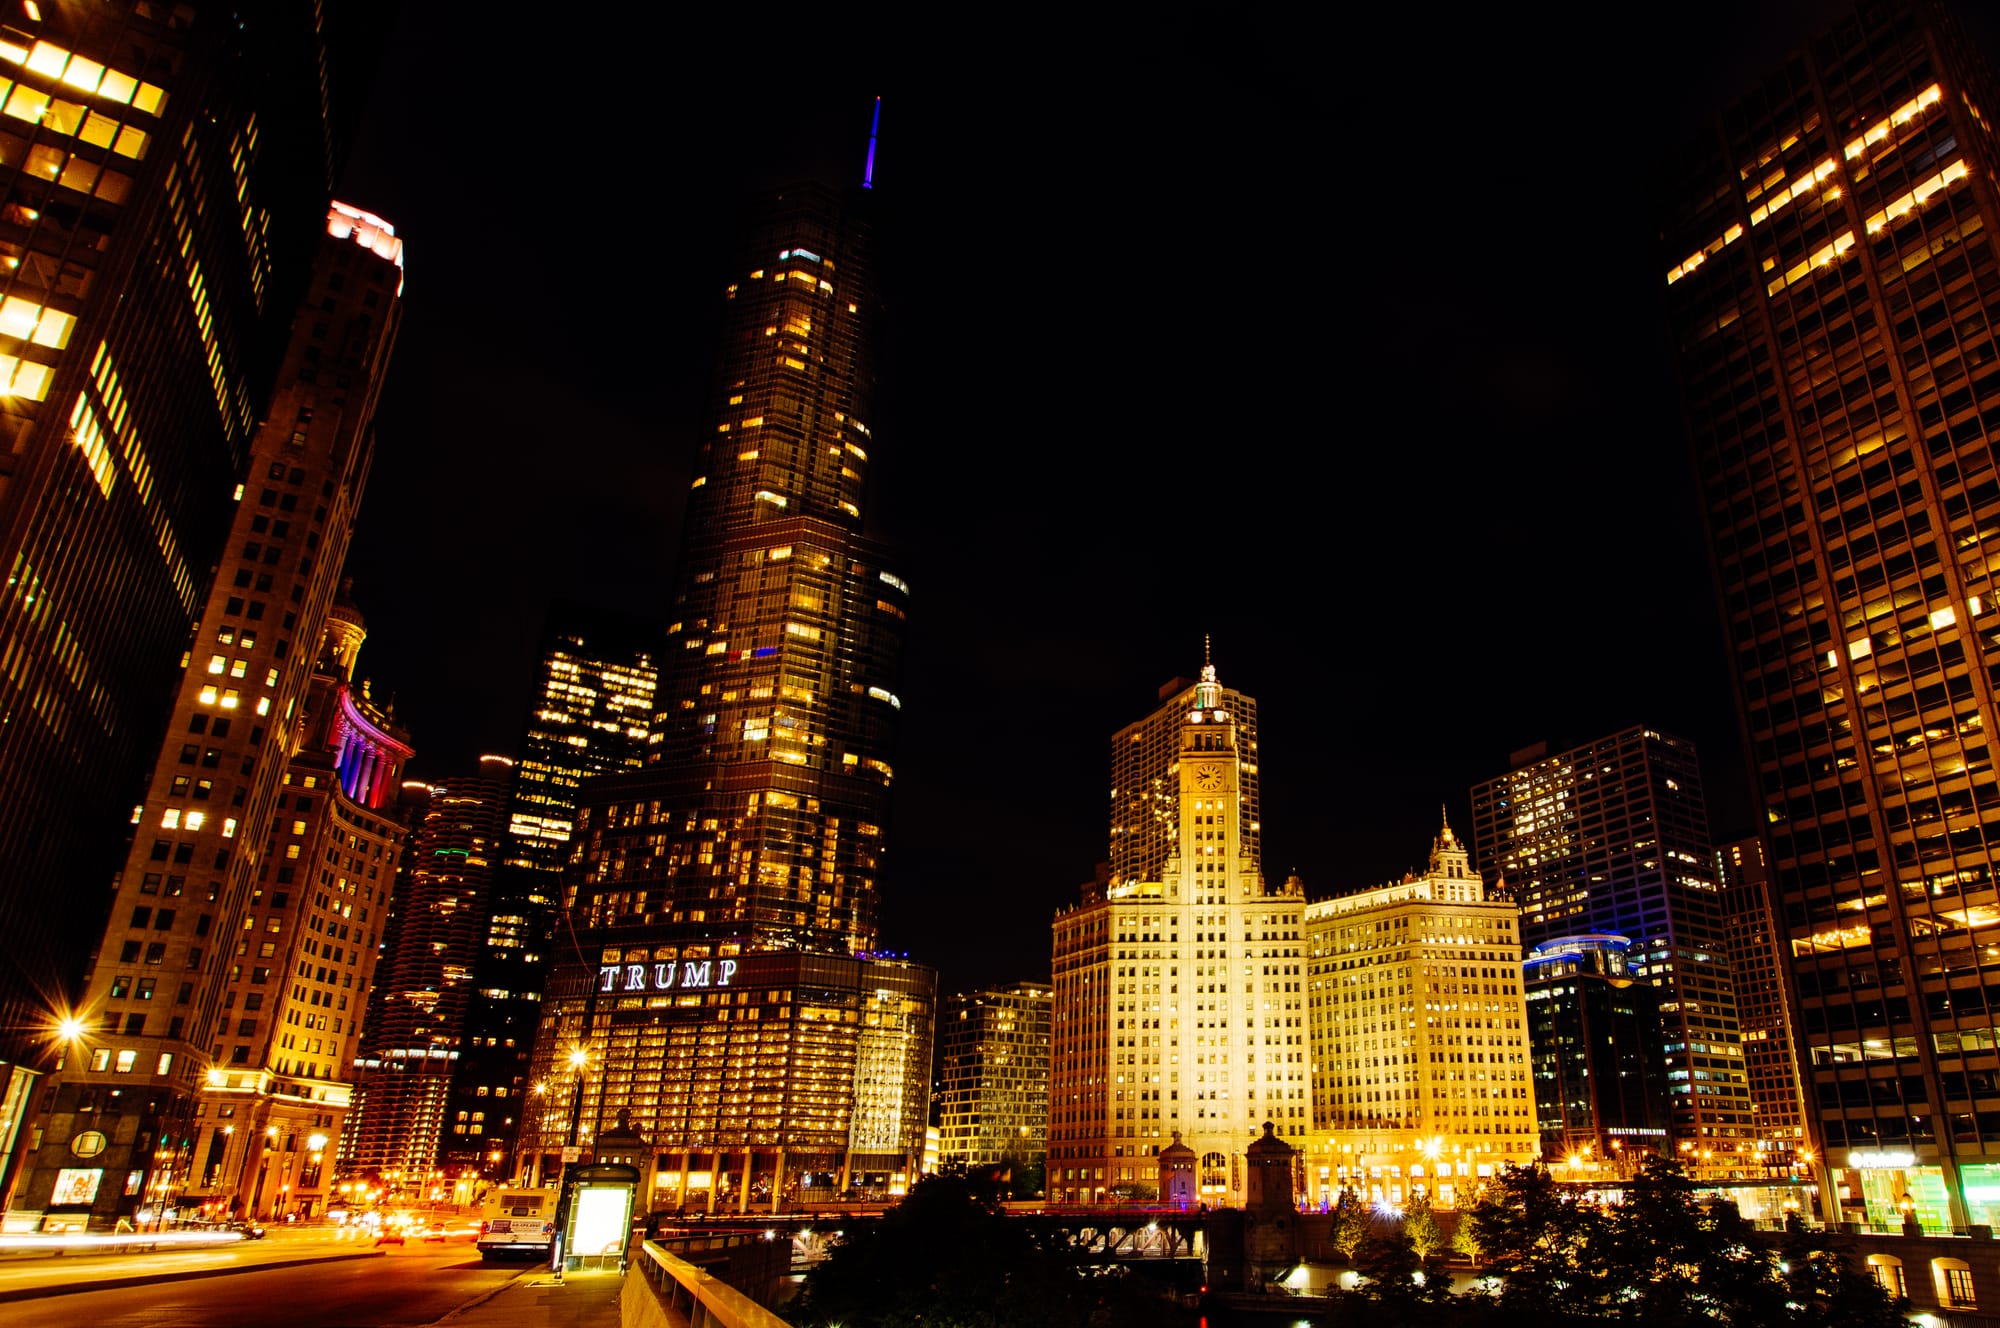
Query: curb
[[478, 1300], [148, 1279]]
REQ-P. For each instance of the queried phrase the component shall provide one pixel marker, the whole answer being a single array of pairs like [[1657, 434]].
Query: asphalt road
[[415, 1284]]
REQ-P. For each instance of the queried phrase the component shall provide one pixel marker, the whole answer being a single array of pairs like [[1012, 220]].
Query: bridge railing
[[682, 1294]]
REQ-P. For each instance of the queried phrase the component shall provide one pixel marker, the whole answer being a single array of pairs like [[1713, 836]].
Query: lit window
[[126, 1060], [195, 819], [170, 819], [229, 827], [216, 663], [208, 695], [230, 698], [263, 705]]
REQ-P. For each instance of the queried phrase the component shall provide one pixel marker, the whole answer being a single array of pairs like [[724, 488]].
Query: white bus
[[520, 1223]]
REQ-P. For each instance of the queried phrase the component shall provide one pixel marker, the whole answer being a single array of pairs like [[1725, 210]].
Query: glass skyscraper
[[1611, 837], [1829, 273], [723, 898]]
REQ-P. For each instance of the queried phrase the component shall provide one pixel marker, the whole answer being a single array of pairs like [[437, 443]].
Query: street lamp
[[579, 1061]]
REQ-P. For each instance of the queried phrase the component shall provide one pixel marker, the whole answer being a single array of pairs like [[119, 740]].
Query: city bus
[[520, 1224]]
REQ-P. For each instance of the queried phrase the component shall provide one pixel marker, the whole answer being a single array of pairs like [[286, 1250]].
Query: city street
[[405, 1285]]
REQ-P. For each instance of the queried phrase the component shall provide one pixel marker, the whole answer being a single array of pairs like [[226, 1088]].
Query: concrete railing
[[673, 1293]]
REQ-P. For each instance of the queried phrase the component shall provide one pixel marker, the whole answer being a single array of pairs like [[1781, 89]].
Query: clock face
[[1208, 778]]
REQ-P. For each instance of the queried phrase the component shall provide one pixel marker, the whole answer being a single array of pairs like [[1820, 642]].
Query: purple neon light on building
[[868, 172]]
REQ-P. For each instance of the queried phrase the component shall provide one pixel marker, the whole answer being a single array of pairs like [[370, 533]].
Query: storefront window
[[1982, 1193]]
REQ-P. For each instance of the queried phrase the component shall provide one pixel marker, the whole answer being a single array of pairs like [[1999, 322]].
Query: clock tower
[[1180, 992], [1211, 858]]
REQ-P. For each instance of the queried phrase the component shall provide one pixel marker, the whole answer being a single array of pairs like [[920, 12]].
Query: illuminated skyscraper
[[1594, 1035], [198, 864], [769, 789], [1757, 964], [1179, 1001], [1419, 1036], [1612, 837], [1828, 273], [165, 167], [748, 853], [993, 1075], [415, 1028], [591, 715]]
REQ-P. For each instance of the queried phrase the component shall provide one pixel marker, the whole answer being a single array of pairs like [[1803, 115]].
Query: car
[[435, 1231], [248, 1230], [391, 1237]]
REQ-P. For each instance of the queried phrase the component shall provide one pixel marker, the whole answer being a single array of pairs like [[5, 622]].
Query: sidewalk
[[533, 1300]]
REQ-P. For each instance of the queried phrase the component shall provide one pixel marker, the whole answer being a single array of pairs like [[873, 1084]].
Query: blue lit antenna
[[868, 173]]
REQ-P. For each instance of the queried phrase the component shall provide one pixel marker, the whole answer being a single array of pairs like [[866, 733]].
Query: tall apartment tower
[[1757, 964], [275, 1105], [165, 168], [993, 1075], [1612, 837], [196, 853], [1418, 1035], [591, 715], [424, 985], [747, 854], [1829, 264], [1179, 999]]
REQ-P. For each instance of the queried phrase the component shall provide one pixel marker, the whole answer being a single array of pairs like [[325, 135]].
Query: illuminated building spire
[[1208, 692], [868, 171]]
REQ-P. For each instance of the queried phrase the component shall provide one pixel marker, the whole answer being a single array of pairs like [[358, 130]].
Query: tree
[[1420, 1224], [1400, 1288], [1546, 1248], [1661, 1258], [1350, 1223]]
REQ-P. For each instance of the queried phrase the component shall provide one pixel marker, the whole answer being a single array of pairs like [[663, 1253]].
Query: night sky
[[1338, 339]]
